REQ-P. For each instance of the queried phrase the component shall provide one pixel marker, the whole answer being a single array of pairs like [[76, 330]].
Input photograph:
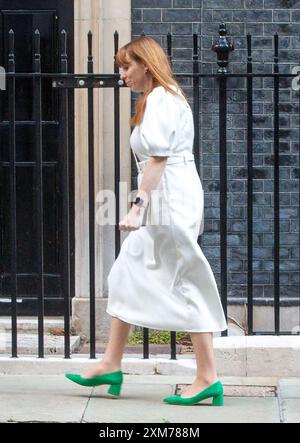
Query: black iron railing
[[65, 82]]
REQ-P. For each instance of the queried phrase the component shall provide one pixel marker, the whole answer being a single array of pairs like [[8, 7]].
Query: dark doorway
[[49, 17]]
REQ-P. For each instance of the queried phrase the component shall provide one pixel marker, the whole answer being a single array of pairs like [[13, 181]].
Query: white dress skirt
[[161, 278]]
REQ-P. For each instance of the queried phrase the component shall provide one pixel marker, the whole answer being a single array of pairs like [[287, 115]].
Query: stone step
[[27, 344], [29, 325]]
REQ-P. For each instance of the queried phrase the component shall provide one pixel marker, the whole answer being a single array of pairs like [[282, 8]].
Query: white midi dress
[[161, 278]]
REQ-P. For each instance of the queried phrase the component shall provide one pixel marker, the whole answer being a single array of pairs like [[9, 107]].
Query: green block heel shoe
[[114, 379], [215, 390]]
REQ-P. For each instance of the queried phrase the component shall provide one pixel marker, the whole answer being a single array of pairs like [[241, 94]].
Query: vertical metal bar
[[170, 57], [2, 184], [13, 193], [196, 100], [250, 184], [145, 343], [117, 150], [173, 346], [37, 109], [169, 49], [196, 109], [223, 188], [276, 192], [298, 325], [90, 67], [65, 233]]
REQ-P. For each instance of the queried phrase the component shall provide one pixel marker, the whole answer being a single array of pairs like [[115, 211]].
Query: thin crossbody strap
[[144, 222], [137, 163]]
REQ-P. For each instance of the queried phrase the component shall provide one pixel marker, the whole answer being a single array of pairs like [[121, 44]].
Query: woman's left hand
[[133, 220]]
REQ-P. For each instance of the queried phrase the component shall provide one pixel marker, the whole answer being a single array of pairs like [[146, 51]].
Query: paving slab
[[290, 409], [52, 398], [290, 388], [41, 398], [289, 397], [145, 406]]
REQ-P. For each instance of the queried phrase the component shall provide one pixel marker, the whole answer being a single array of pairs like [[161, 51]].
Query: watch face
[[139, 201]]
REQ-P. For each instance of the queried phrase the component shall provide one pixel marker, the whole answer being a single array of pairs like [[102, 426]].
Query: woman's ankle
[[207, 379], [112, 365]]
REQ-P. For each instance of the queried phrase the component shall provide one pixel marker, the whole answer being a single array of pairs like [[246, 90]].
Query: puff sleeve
[[158, 127]]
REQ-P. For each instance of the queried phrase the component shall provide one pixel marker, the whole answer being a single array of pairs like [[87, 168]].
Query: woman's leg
[[112, 357], [206, 367]]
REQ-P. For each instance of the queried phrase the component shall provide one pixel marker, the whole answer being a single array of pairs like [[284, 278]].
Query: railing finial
[[223, 48]]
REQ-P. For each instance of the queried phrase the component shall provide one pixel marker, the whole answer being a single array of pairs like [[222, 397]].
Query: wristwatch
[[139, 202]]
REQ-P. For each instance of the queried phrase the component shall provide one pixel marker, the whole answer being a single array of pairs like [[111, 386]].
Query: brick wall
[[261, 18]]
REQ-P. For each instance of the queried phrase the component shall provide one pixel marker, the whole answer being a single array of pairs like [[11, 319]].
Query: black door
[[49, 17]]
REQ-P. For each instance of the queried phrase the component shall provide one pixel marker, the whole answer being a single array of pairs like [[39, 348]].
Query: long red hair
[[146, 50]]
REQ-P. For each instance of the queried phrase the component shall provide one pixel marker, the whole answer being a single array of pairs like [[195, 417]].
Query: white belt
[[171, 160]]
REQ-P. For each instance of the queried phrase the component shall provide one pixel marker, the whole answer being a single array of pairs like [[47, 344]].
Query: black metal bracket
[[92, 82]]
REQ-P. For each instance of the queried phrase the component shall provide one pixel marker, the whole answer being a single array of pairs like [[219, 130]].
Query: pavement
[[53, 398], [261, 378]]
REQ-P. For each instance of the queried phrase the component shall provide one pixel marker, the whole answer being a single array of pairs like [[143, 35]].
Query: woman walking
[[161, 278]]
